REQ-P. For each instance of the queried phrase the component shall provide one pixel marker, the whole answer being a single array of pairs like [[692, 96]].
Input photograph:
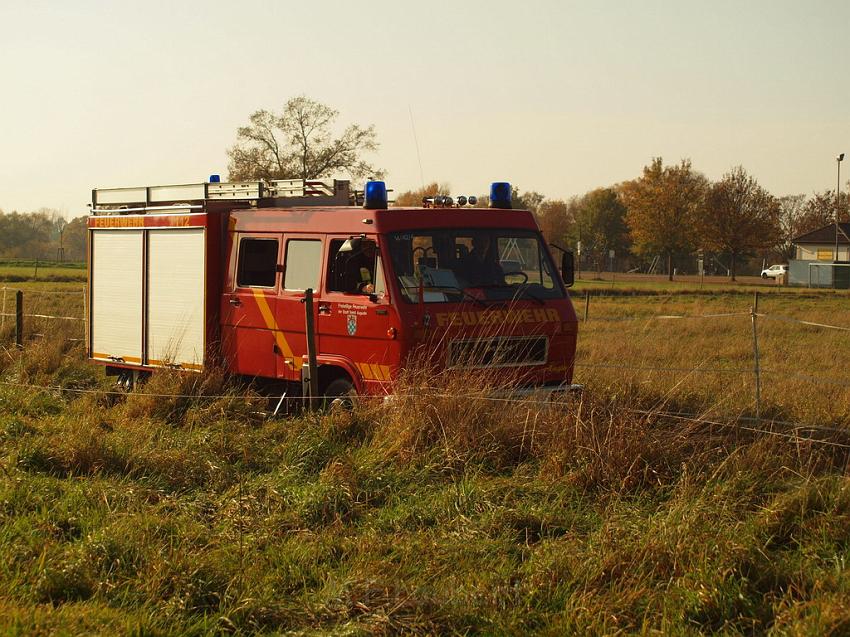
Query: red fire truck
[[216, 273]]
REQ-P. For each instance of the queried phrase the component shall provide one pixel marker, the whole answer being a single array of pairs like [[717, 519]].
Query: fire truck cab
[[216, 273]]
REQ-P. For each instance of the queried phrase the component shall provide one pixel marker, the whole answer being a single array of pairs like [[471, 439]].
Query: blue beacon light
[[375, 197], [215, 179], [500, 195]]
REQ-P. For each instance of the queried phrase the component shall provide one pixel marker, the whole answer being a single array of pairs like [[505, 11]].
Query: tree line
[[670, 213], [44, 234], [666, 215]]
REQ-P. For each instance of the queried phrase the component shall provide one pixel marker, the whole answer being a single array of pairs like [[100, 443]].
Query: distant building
[[815, 264]]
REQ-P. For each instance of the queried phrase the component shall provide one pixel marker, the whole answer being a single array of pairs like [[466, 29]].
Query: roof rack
[[264, 194]]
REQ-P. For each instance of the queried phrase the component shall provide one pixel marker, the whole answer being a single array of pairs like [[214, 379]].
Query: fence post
[[3, 311], [754, 314], [85, 319], [313, 372], [19, 319], [586, 304]]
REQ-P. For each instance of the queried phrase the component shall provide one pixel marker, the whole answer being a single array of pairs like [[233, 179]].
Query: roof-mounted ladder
[[271, 193]]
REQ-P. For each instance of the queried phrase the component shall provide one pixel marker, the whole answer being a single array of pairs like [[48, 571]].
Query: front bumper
[[544, 392]]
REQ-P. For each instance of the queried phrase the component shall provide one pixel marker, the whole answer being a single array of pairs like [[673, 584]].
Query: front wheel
[[763, 275], [339, 392]]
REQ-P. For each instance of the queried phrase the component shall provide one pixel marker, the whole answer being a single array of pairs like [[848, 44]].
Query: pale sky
[[559, 97]]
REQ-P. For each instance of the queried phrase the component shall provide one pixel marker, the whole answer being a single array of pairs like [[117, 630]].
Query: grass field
[[17, 271], [158, 514]]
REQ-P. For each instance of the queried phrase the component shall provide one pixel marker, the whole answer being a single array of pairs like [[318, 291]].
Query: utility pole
[[838, 161]]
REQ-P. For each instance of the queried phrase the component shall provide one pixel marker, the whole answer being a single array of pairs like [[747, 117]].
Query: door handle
[[324, 308], [235, 302]]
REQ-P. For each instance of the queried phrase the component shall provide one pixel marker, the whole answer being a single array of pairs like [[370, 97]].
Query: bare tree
[[791, 213], [299, 143]]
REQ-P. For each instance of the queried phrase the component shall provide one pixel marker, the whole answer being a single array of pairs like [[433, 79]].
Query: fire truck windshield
[[480, 264]]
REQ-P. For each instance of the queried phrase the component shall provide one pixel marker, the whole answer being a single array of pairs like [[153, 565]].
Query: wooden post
[[19, 319], [86, 319], [311, 349], [3, 311], [36, 268], [586, 304], [756, 369]]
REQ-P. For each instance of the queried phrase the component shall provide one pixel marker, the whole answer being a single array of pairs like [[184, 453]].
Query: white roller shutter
[[116, 290], [176, 297]]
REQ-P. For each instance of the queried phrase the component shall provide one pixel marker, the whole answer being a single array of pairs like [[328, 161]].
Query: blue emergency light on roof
[[215, 179], [500, 195], [375, 197]]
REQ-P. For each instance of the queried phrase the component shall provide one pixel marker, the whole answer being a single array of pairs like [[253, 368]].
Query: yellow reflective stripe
[[372, 371], [271, 323]]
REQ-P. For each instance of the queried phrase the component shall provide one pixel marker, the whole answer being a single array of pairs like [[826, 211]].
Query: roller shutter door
[[176, 321], [116, 291]]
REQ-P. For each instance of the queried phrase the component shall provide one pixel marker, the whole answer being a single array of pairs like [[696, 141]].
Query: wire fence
[[65, 299]]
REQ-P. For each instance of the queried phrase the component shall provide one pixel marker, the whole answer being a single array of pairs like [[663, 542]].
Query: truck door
[[302, 268], [353, 313], [248, 305]]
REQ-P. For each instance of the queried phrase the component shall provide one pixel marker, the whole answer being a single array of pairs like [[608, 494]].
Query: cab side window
[[355, 269], [257, 264], [303, 264]]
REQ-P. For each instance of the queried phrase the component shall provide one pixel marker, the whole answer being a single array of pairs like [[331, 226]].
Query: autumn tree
[[74, 239], [413, 198], [529, 200], [738, 217], [662, 207], [601, 223], [557, 220], [299, 143]]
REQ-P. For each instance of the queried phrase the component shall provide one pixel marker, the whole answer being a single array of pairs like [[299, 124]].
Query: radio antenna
[[416, 141]]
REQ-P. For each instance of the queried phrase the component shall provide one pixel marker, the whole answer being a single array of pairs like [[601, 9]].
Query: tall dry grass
[[447, 510]]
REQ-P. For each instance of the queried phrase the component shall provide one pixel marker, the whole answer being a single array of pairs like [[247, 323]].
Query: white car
[[774, 271]]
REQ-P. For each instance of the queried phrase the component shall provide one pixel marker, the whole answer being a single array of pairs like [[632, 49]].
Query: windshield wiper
[[523, 288], [461, 291]]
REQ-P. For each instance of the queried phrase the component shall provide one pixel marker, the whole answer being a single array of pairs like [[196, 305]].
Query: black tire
[[763, 275], [339, 391]]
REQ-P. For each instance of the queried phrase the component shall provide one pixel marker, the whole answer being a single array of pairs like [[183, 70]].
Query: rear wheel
[[763, 275], [339, 392]]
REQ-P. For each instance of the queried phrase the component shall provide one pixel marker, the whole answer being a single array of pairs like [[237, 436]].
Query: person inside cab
[[354, 269], [480, 268], [363, 268]]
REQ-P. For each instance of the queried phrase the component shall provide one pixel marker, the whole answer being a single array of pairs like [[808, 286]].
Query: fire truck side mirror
[[568, 270]]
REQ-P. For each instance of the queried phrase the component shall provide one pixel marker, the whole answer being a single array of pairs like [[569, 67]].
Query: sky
[[555, 96]]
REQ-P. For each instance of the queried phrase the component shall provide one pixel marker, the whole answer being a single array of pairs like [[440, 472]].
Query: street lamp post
[[838, 161]]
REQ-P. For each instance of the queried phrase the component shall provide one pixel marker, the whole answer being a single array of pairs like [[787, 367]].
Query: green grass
[[17, 271], [431, 515]]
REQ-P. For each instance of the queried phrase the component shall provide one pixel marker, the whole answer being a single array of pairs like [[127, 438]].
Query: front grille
[[501, 351]]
